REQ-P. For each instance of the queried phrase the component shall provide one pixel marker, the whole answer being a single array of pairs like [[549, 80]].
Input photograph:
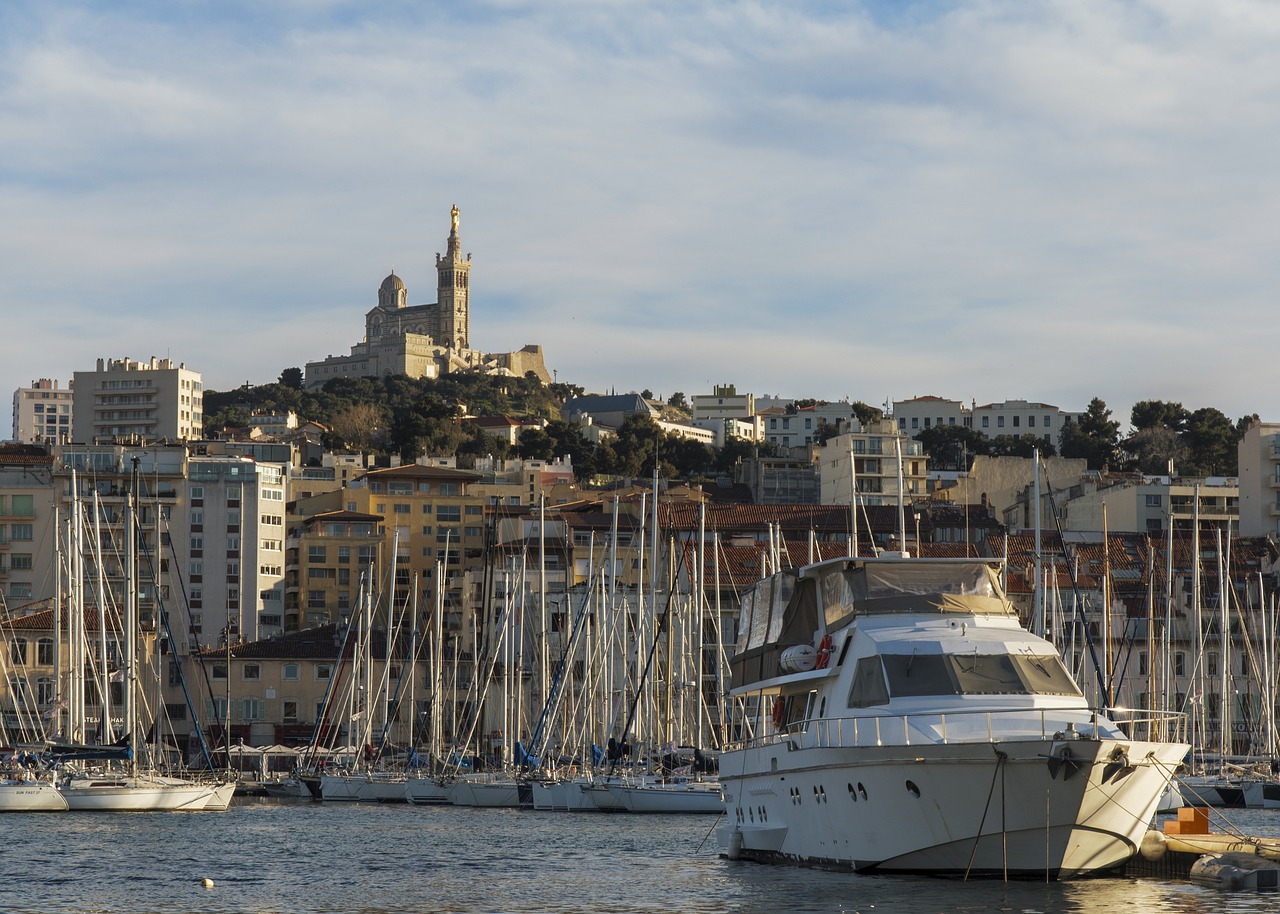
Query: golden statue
[[454, 213]]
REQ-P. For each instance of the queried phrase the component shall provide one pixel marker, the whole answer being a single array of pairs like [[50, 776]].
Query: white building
[[42, 412], [155, 400], [211, 534], [875, 457], [1259, 466], [1012, 417]]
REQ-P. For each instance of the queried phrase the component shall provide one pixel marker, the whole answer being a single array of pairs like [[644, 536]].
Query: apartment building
[[26, 525], [1259, 467], [42, 412], [874, 453], [153, 401]]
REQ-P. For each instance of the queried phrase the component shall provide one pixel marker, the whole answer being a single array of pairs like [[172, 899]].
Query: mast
[[1037, 595]]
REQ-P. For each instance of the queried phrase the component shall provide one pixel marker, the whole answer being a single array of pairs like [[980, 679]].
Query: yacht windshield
[[913, 675]]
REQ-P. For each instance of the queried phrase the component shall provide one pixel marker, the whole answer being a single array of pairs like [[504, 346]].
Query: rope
[[1000, 760], [698, 849]]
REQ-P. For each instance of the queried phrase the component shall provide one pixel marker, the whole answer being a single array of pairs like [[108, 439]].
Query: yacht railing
[[942, 728]]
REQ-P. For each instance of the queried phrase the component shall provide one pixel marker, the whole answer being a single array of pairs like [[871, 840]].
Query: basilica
[[425, 341]]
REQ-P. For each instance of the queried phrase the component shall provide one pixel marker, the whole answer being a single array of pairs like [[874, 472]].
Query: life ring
[[824, 653], [779, 710]]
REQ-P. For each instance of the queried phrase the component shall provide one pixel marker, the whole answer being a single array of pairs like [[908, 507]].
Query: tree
[[636, 445], [1154, 447], [1019, 446], [1096, 437], [678, 400], [534, 444], [647, 394], [1211, 439], [291, 377], [867, 414], [1157, 414], [357, 425], [952, 447]]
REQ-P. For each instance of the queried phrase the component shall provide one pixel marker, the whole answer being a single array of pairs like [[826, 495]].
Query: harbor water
[[267, 857]]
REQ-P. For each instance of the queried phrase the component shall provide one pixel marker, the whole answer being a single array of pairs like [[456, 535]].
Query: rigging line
[[1233, 829], [698, 849], [1000, 760]]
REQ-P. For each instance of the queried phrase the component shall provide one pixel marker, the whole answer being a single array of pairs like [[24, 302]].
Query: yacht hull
[[30, 796], [1039, 808]]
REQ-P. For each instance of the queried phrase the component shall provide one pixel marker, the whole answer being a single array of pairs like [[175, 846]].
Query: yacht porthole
[[853, 793], [862, 790], [913, 789]]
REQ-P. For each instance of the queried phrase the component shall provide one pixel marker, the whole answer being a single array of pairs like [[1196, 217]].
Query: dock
[[1182, 849]]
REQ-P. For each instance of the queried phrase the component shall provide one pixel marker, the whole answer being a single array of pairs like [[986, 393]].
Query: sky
[[999, 199]]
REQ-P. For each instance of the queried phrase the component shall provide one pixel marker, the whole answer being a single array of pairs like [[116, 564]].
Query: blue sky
[[986, 200]]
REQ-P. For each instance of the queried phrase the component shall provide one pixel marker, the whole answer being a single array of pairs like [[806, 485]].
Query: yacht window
[[919, 674], [1045, 675], [987, 674], [868, 687], [962, 579], [841, 591], [912, 675], [760, 613]]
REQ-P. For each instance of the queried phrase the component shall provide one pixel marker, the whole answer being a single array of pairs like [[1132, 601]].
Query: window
[[44, 652], [44, 691], [220, 671], [1017, 420], [253, 709], [20, 561], [1211, 664], [447, 488], [289, 672], [448, 513], [399, 508], [999, 421], [1154, 501], [1180, 665], [317, 554], [344, 553], [986, 421], [475, 510], [289, 711], [18, 651], [23, 532], [324, 671], [315, 599], [252, 672], [1031, 421]]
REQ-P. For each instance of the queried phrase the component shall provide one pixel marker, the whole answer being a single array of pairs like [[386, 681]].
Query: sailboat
[[108, 776]]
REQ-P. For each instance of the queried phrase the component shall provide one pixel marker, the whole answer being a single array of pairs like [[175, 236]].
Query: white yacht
[[892, 715]]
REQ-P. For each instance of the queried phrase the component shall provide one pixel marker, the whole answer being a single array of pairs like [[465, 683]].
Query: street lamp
[[919, 550]]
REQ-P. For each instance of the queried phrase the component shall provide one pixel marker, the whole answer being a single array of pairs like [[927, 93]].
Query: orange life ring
[[824, 653], [779, 709]]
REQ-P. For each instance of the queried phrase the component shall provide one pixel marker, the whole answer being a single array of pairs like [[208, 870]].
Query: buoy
[[207, 882]]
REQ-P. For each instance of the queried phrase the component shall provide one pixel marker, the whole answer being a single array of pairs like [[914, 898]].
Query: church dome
[[392, 283]]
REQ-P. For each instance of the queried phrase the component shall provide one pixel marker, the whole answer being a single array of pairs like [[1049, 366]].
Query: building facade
[[42, 412], [156, 400], [1259, 467]]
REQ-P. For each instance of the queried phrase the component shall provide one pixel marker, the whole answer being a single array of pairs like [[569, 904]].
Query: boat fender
[[824, 653], [779, 709], [1234, 870], [207, 882], [1153, 846]]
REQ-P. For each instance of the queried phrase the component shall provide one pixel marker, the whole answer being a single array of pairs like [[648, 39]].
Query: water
[[270, 858]]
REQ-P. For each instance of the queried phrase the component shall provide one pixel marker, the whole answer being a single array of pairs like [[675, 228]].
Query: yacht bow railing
[[990, 725]]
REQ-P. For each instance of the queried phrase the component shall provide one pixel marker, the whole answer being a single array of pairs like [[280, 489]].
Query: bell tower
[[453, 292]]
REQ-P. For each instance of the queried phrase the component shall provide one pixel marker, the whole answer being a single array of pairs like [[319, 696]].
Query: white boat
[[109, 792], [28, 794], [366, 787], [669, 797], [563, 795], [426, 792], [892, 715], [220, 795], [286, 788], [480, 791]]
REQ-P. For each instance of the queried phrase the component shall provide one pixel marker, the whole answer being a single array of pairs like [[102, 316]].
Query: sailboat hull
[[30, 796], [134, 794]]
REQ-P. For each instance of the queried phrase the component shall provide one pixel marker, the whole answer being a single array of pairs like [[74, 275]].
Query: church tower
[[453, 291]]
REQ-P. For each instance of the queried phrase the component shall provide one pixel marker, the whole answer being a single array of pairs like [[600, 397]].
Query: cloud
[[987, 200]]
